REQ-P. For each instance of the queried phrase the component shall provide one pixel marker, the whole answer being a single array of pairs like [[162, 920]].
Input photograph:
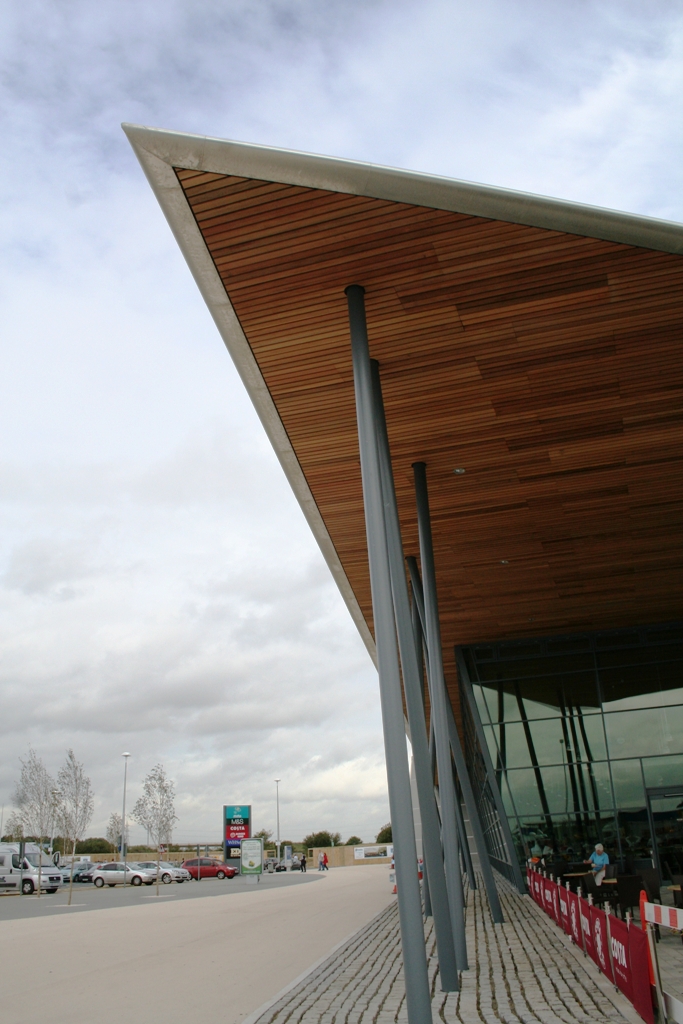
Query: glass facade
[[585, 733]]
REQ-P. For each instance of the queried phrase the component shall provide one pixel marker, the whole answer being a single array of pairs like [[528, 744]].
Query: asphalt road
[[87, 897]]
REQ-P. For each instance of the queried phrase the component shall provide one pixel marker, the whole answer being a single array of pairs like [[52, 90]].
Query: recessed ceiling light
[[459, 471], [504, 561]]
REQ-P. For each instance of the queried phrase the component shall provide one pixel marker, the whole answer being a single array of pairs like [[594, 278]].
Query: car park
[[167, 872], [117, 873], [208, 867]]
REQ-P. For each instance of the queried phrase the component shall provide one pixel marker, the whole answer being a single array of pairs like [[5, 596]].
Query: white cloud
[[159, 589]]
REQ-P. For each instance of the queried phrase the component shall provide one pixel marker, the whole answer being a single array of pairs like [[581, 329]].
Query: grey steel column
[[475, 820], [418, 1001], [488, 764], [412, 687], [453, 737], [437, 696], [418, 597], [417, 636]]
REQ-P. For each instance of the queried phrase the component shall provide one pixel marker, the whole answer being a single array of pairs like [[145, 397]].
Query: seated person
[[599, 861]]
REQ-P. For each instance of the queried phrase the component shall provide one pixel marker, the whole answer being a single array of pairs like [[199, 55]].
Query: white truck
[[24, 875]]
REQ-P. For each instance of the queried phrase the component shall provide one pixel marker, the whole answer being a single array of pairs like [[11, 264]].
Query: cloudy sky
[[159, 590]]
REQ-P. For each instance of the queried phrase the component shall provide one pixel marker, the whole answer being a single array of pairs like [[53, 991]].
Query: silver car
[[114, 874], [167, 872]]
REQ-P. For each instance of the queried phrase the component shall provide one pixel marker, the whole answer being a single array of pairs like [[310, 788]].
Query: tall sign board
[[236, 827]]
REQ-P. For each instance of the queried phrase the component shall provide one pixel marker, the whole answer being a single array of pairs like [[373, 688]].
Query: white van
[[16, 876]]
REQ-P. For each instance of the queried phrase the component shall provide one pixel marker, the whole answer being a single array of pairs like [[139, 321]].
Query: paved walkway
[[522, 971], [170, 961]]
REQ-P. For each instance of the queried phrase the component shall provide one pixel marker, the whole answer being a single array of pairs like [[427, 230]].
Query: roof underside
[[546, 364]]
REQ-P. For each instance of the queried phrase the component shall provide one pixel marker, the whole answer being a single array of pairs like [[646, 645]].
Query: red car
[[209, 868]]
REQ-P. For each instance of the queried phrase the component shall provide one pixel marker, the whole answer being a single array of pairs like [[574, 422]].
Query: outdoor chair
[[650, 877], [611, 871], [628, 892], [678, 896], [591, 888]]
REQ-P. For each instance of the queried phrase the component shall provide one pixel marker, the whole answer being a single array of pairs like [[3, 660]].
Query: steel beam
[[426, 590], [475, 820], [412, 686], [418, 1000], [464, 677], [437, 696]]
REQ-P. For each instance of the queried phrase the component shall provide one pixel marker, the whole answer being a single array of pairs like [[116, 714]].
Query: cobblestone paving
[[520, 971]]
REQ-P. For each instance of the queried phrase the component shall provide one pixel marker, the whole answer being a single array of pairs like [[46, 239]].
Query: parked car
[[79, 868], [114, 874], [207, 867], [167, 872], [87, 874], [25, 875]]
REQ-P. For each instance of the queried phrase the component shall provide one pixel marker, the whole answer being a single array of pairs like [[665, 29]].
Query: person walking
[[321, 865], [325, 863], [302, 862]]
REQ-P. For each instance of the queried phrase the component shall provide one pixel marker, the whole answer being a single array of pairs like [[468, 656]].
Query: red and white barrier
[[670, 917]]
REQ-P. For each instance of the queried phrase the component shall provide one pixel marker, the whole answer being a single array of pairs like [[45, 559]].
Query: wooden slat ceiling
[[547, 365]]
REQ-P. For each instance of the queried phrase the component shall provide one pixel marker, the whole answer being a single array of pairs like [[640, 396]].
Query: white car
[[114, 874], [24, 875], [167, 872]]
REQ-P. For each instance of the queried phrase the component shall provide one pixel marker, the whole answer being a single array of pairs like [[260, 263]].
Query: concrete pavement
[[173, 961]]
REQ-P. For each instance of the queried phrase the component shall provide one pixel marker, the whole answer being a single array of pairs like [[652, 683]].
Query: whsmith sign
[[236, 827]]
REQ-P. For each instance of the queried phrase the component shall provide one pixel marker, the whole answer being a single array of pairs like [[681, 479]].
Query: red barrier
[[640, 974], [563, 901], [574, 920], [549, 898], [622, 965], [628, 966], [598, 919], [584, 914]]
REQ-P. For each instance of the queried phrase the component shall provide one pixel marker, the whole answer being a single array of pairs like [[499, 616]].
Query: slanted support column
[[437, 696], [434, 641], [466, 685], [418, 1001], [475, 820], [412, 686]]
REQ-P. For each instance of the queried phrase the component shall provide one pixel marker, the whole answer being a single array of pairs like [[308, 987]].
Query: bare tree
[[75, 807], [155, 810], [14, 829], [37, 799], [113, 834]]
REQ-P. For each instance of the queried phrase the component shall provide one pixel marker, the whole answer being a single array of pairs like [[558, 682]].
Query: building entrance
[[665, 820]]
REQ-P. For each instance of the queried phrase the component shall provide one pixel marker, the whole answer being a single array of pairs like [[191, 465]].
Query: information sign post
[[236, 827], [251, 859]]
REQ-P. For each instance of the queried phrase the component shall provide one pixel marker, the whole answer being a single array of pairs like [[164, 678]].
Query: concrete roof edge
[[166, 187], [222, 156]]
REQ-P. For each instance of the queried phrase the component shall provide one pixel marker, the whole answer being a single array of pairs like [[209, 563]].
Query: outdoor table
[[576, 874]]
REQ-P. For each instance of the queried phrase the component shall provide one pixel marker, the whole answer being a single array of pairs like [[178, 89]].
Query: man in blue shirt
[[599, 861]]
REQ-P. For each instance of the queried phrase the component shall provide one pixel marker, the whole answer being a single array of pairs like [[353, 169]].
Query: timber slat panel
[[548, 365]]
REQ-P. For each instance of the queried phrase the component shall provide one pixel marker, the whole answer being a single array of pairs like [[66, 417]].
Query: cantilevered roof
[[534, 343]]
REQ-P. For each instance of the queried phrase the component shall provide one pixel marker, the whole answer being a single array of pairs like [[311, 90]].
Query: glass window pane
[[597, 777], [523, 786], [480, 701], [643, 733], [661, 698], [663, 771], [548, 740], [513, 745], [628, 784]]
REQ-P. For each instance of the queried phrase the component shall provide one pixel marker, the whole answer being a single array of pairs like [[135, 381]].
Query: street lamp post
[[277, 804], [124, 849]]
